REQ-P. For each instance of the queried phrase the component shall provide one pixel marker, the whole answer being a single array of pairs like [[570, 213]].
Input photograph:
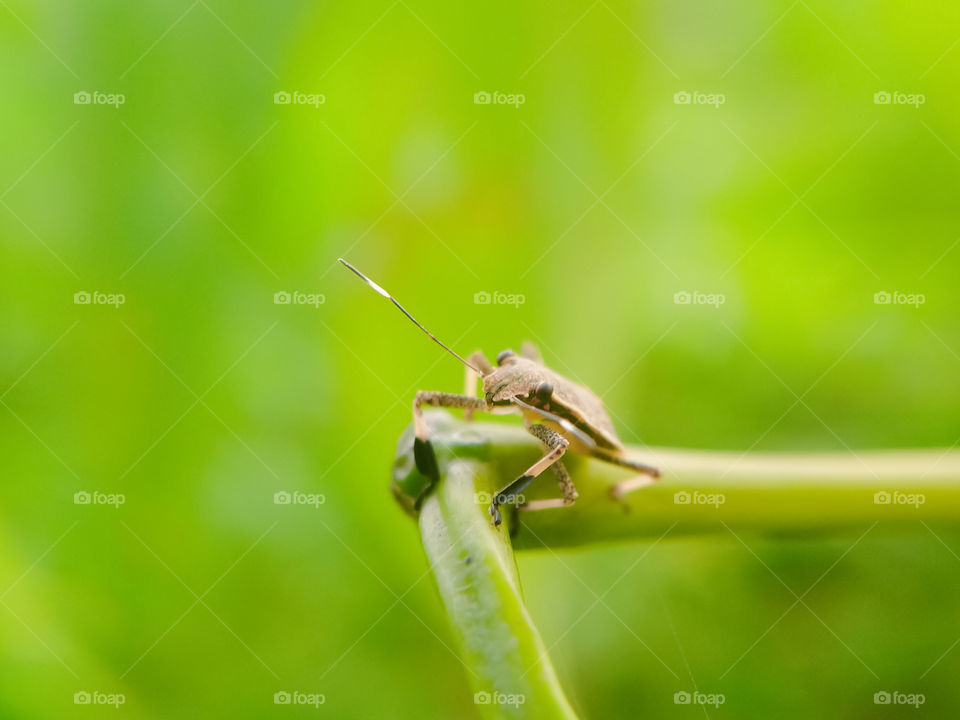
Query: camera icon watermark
[[295, 297], [84, 97], [299, 498], [885, 97], [685, 97], [695, 297], [898, 497], [498, 98], [899, 298], [499, 298], [283, 97]]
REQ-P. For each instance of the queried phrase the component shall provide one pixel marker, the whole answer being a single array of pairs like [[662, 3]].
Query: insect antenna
[[389, 297]]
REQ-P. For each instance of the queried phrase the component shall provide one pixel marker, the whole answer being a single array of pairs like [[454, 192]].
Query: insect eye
[[504, 355], [544, 392]]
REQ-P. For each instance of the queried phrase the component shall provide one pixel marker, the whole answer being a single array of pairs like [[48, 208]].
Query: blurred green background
[[598, 199]]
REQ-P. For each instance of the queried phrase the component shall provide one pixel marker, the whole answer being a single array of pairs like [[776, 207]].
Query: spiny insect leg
[[422, 447], [630, 484], [551, 439], [556, 446], [570, 493], [648, 476], [639, 467]]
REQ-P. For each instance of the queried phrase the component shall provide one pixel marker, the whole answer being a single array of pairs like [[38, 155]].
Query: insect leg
[[470, 377], [567, 487], [556, 446], [422, 448], [469, 389], [570, 493], [638, 467], [648, 475], [479, 361], [531, 352]]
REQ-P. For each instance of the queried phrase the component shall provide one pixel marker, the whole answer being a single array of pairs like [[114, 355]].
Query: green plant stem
[[703, 492], [700, 492], [778, 493], [477, 578]]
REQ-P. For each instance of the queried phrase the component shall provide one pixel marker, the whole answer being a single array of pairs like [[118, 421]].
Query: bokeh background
[[598, 199]]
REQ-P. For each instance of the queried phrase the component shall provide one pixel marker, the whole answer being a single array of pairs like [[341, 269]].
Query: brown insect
[[560, 413]]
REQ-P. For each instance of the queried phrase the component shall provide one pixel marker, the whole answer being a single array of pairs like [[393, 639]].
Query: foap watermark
[[898, 497], [83, 297], [295, 97], [82, 497], [899, 698], [682, 697], [685, 497], [884, 97], [899, 298], [83, 97], [96, 697], [299, 498], [296, 297], [499, 698], [685, 97], [685, 297], [499, 98], [498, 298], [485, 498], [296, 697]]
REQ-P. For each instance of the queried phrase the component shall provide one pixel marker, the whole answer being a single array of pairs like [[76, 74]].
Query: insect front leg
[[570, 493], [470, 377], [422, 448], [556, 446]]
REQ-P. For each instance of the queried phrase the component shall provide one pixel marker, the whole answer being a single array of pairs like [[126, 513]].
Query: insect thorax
[[520, 377]]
